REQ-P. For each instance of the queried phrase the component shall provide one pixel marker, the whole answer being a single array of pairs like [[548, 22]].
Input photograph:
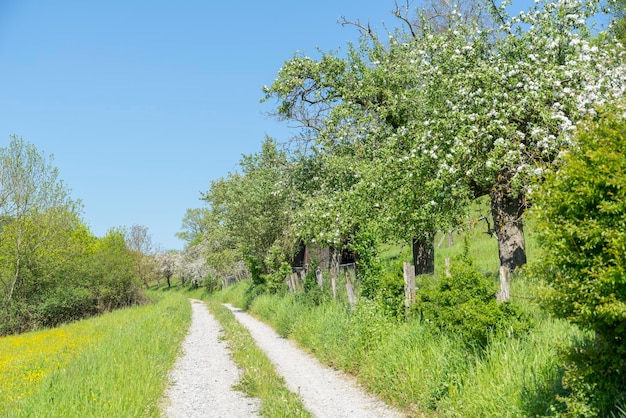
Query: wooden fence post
[[334, 271], [505, 285], [349, 288], [319, 277], [409, 285]]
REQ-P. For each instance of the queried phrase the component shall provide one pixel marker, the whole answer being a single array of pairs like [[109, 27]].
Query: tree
[[37, 216], [254, 207], [477, 110], [111, 271], [581, 220], [139, 242], [169, 264], [193, 227]]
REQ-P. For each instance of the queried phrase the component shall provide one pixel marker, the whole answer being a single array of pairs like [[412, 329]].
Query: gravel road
[[325, 392], [204, 375]]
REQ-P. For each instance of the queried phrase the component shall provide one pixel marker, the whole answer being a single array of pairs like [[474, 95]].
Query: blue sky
[[143, 103]]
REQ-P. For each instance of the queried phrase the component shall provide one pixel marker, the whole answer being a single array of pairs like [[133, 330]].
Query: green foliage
[[464, 304], [52, 268], [387, 288], [254, 207], [64, 304], [276, 282], [581, 218]]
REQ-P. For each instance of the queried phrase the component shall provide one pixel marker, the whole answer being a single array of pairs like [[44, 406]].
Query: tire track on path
[[325, 392], [204, 374]]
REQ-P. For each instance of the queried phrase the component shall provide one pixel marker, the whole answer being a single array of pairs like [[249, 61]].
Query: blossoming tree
[[472, 110]]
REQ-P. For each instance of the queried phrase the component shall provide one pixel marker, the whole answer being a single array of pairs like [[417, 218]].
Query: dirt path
[[325, 392], [204, 375]]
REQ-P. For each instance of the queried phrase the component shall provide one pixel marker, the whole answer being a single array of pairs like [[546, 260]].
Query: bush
[[64, 304], [387, 288], [581, 219], [464, 304]]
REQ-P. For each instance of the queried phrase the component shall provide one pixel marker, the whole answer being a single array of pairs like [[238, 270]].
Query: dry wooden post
[[301, 278], [349, 288], [319, 277], [294, 285], [505, 285], [409, 285], [289, 283], [448, 274], [450, 238], [334, 272], [443, 237]]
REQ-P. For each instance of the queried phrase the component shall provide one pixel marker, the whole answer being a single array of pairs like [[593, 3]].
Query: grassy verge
[[420, 370], [114, 365]]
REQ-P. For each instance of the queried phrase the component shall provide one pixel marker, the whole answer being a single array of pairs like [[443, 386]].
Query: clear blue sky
[[143, 103]]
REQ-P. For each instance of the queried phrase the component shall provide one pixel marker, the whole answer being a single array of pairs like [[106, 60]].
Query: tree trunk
[[508, 226], [424, 254]]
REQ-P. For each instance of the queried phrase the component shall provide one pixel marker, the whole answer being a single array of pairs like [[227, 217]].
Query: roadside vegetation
[[401, 136], [475, 363], [114, 365]]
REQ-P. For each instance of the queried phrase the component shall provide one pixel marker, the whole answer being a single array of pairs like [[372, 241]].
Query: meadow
[[113, 365]]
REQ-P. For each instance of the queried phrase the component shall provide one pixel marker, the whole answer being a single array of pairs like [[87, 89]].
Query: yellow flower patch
[[27, 358]]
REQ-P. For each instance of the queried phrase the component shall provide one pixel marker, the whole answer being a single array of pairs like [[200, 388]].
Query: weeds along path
[[203, 376], [325, 392]]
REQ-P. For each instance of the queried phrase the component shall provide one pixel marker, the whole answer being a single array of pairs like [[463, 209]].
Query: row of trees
[[52, 268], [402, 130]]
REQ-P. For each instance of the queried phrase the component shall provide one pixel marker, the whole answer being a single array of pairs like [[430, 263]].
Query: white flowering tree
[[169, 265], [194, 267], [429, 117]]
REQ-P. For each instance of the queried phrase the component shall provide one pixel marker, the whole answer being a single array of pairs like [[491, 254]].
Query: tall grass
[[120, 372], [421, 371], [411, 365]]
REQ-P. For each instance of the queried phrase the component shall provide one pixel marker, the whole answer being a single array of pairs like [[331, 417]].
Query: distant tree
[[139, 242], [254, 207], [194, 266], [169, 264], [111, 272], [194, 225]]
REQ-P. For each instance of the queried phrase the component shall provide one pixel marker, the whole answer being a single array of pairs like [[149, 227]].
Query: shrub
[[64, 304], [581, 219], [465, 304]]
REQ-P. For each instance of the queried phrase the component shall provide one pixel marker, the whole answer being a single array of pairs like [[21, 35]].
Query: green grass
[[121, 373], [413, 367], [423, 372]]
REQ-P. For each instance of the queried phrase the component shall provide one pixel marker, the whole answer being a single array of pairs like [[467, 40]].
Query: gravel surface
[[204, 375], [325, 392]]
